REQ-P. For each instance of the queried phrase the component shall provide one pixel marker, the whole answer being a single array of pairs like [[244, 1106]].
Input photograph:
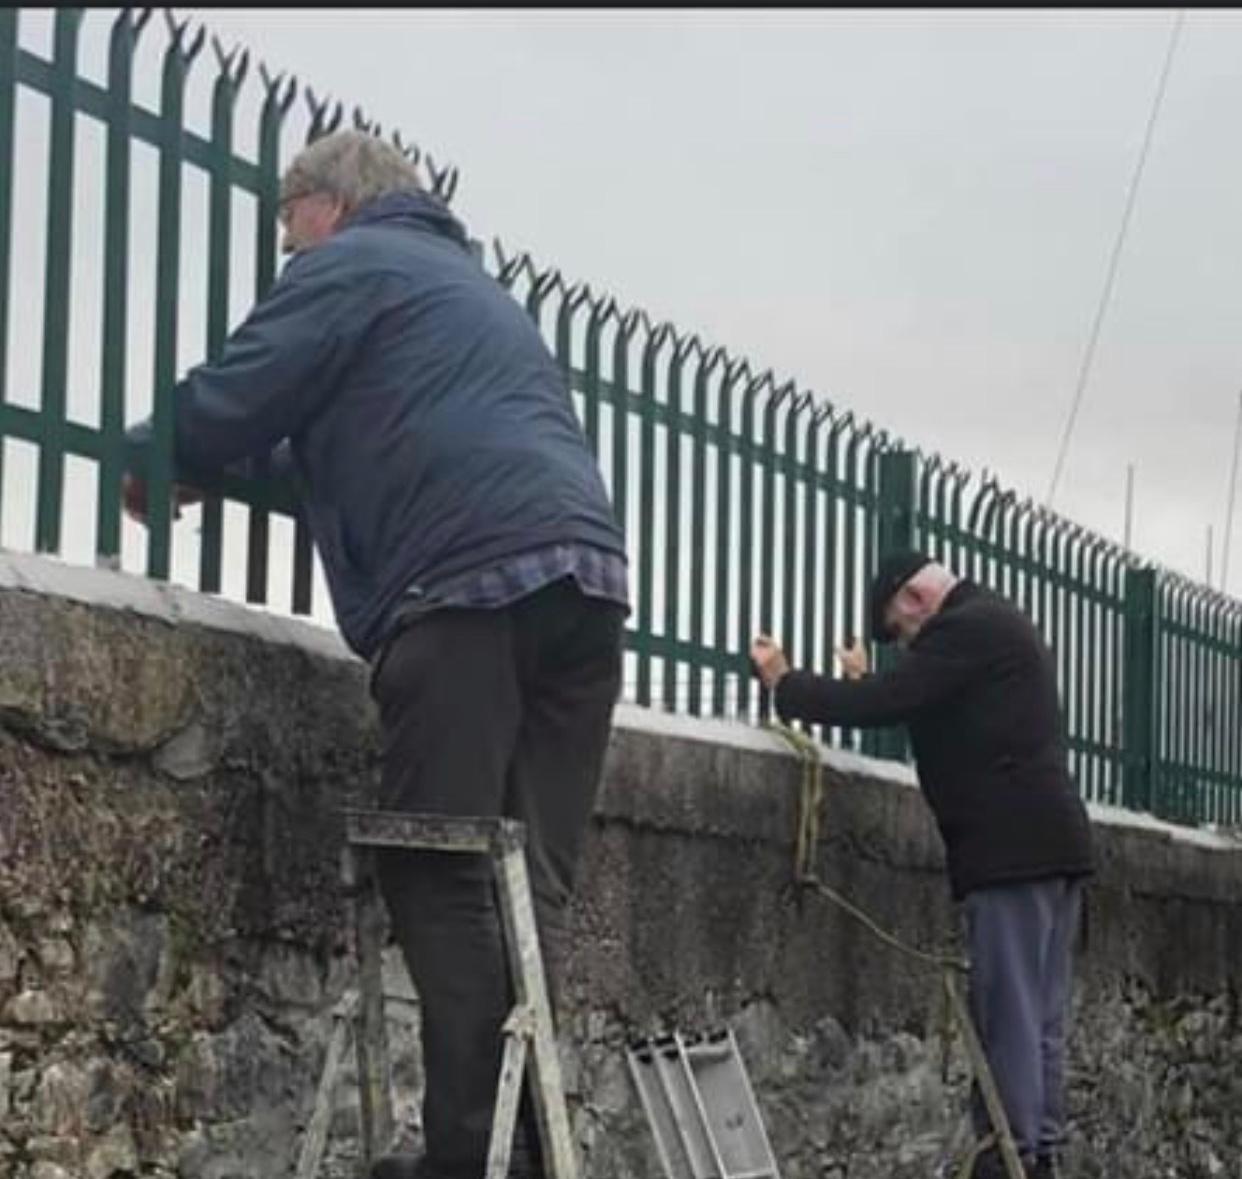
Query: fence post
[[1139, 710], [896, 528]]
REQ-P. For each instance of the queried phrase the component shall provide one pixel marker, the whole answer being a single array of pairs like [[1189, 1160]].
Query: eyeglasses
[[284, 207]]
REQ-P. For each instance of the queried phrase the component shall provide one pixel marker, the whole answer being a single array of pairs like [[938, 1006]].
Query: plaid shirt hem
[[599, 574]]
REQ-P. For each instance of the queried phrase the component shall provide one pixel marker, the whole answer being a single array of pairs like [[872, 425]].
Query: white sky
[[908, 212]]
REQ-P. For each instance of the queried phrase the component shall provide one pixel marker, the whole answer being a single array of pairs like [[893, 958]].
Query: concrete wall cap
[[175, 604]]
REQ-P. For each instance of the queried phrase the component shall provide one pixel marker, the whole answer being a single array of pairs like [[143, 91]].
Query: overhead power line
[[1088, 359]]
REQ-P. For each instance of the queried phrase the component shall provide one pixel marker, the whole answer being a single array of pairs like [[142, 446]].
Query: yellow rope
[[810, 804], [811, 794]]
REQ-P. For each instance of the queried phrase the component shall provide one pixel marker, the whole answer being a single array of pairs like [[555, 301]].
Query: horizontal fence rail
[[748, 503]]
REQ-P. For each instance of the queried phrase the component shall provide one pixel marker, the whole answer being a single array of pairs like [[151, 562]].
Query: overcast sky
[[908, 212]]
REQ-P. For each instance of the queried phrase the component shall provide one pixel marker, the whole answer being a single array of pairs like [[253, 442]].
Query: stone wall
[[172, 943]]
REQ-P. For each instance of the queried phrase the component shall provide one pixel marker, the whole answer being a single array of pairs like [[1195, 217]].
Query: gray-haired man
[[472, 556]]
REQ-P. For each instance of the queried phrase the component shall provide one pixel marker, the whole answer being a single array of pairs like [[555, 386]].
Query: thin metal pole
[[1114, 261], [1233, 497], [1129, 533]]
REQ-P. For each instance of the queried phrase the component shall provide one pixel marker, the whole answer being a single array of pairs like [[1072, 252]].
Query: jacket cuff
[[790, 695]]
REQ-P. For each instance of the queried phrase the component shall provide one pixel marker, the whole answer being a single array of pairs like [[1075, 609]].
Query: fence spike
[[630, 322], [572, 297], [712, 359], [865, 430], [177, 34], [363, 123], [511, 266], [134, 20], [547, 281], [683, 346], [234, 73], [738, 366], [844, 422], [321, 124], [200, 40], [128, 25], [800, 403], [602, 309], [272, 83], [781, 392]]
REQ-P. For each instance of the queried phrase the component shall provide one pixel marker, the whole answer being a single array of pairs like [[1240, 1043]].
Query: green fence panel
[[747, 503]]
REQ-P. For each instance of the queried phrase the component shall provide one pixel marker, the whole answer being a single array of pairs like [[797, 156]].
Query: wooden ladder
[[529, 1038]]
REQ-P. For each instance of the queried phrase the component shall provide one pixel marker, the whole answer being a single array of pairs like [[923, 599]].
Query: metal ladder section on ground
[[701, 1107], [529, 1039]]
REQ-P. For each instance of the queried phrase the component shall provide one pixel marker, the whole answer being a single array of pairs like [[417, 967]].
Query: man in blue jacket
[[472, 557], [976, 686]]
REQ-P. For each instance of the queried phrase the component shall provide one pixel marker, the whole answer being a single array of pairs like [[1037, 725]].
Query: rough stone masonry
[[172, 941]]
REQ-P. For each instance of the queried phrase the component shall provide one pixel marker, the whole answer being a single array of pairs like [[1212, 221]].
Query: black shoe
[[410, 1166], [1045, 1167], [990, 1165], [399, 1166]]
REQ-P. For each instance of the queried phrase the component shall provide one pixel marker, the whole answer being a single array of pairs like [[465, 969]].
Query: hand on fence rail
[[134, 497], [771, 663], [853, 660]]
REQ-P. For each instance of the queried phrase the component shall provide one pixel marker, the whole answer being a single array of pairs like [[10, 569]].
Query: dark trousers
[[1020, 939], [488, 712]]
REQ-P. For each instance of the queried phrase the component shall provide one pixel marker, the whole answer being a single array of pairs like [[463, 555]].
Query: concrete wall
[[172, 943]]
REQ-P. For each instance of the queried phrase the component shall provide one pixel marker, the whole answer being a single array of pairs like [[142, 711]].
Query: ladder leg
[[530, 986], [371, 1039], [518, 1029], [987, 1084], [315, 1139]]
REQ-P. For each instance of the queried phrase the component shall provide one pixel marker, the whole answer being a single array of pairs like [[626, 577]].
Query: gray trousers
[[1020, 940]]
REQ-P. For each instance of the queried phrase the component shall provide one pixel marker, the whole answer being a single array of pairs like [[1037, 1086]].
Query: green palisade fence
[[748, 503]]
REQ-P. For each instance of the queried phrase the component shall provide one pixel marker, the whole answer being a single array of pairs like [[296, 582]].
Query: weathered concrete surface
[[172, 942]]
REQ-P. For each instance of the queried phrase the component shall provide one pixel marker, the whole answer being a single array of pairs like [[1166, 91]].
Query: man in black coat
[[976, 687]]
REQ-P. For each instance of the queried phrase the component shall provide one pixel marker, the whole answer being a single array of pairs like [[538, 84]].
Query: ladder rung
[[709, 1052], [431, 832]]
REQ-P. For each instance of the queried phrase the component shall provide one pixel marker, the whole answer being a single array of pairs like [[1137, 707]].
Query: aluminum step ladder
[[701, 1107], [529, 1038]]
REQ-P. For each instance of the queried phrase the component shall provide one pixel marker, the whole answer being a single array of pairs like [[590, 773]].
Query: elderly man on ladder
[[976, 687], [473, 559]]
